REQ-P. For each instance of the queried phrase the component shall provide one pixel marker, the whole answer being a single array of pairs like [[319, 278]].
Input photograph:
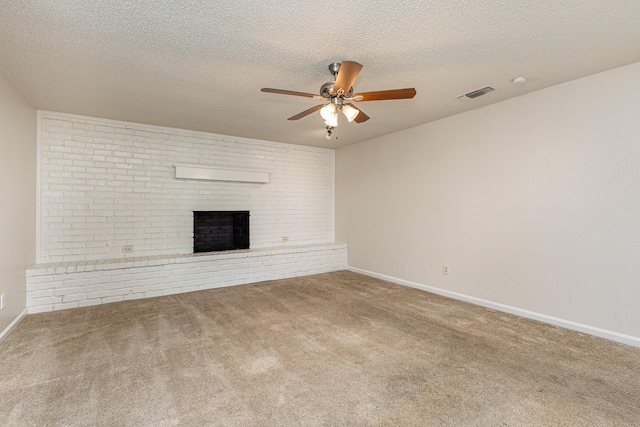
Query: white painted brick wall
[[107, 184], [58, 286]]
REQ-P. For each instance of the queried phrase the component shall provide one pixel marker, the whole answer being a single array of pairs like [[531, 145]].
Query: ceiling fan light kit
[[330, 115], [340, 90]]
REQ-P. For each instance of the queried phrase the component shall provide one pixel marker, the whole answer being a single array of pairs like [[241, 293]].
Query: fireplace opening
[[220, 230]]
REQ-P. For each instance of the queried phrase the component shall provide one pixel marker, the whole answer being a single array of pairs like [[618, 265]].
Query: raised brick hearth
[[57, 286]]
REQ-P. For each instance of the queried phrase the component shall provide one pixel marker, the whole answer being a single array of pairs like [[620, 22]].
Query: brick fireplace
[[116, 223]]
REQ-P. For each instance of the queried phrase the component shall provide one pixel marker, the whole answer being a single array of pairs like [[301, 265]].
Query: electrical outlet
[[445, 269], [127, 249], [285, 239], [1, 301]]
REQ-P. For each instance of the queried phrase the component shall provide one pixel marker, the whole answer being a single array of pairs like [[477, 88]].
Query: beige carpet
[[333, 349]]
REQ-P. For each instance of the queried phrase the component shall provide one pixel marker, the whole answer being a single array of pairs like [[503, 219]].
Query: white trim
[[38, 186], [164, 129], [568, 324], [216, 174], [4, 334]]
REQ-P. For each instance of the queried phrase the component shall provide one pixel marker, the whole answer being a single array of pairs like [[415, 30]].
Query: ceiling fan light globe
[[350, 113], [328, 111], [333, 121]]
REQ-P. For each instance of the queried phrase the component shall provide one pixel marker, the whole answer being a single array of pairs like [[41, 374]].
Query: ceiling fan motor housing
[[326, 90]]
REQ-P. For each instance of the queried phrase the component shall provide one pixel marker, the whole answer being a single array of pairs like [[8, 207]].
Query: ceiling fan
[[339, 94]]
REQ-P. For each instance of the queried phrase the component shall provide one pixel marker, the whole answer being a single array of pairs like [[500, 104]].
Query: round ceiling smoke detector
[[520, 80]]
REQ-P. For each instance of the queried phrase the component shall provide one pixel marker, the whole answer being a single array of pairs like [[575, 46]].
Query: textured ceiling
[[200, 64]]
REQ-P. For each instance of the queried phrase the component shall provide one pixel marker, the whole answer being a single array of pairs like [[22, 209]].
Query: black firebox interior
[[220, 230]]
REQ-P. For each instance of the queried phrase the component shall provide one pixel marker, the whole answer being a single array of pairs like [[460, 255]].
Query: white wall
[[107, 184], [17, 196], [533, 202]]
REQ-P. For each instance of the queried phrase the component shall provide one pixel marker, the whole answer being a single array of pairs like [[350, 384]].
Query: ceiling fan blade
[[347, 74], [382, 95], [306, 112], [290, 92], [361, 117]]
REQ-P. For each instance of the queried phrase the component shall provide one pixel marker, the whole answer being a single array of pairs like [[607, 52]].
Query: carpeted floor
[[334, 349]]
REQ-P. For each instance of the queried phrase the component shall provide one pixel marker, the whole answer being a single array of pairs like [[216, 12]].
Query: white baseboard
[[591, 330], [12, 325]]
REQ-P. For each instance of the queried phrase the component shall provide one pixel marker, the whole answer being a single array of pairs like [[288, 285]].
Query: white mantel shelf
[[217, 174]]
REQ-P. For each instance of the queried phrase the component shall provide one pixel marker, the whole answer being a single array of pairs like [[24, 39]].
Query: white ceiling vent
[[477, 93]]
